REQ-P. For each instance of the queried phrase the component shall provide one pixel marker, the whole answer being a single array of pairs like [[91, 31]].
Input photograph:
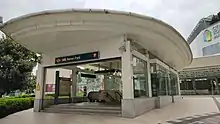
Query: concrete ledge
[[177, 98], [128, 108], [143, 105], [48, 102], [134, 107], [162, 101]]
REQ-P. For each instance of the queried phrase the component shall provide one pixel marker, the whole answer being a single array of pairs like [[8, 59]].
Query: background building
[[203, 75], [205, 37]]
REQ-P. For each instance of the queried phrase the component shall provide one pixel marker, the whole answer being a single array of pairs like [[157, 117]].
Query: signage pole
[[57, 83]]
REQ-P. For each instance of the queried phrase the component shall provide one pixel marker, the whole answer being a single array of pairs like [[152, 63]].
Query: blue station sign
[[78, 57]]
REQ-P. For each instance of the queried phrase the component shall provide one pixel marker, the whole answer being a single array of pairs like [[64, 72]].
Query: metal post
[[211, 87], [166, 82], [169, 84], [57, 83], [1, 20], [194, 85]]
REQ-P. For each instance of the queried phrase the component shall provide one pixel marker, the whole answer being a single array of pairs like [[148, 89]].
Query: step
[[83, 111], [85, 107]]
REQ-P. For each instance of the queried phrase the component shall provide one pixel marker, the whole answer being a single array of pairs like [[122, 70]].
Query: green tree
[[16, 65], [31, 84]]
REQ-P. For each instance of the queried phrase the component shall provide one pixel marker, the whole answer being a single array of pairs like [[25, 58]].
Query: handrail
[[119, 94], [111, 98]]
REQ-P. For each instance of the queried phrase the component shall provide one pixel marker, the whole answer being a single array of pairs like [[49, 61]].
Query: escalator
[[105, 96]]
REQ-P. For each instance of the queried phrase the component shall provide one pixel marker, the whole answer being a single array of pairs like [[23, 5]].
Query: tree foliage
[[16, 65], [31, 84]]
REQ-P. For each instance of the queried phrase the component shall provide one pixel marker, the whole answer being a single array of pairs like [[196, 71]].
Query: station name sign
[[78, 57], [212, 33], [216, 31]]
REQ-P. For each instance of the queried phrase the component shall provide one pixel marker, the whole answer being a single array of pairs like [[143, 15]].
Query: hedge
[[11, 105], [25, 96]]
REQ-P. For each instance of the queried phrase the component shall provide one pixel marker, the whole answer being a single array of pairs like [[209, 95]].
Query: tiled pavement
[[207, 118], [190, 110]]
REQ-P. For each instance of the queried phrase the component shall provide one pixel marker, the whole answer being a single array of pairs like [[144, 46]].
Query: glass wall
[[173, 84], [199, 86], [162, 75], [140, 77], [163, 81]]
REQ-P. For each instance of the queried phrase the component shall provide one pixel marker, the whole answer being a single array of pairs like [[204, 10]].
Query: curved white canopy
[[48, 31]]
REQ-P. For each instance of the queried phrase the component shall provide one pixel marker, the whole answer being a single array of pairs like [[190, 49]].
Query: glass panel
[[211, 49], [140, 77], [163, 90], [164, 82], [137, 47], [154, 85], [90, 82], [113, 82], [174, 84], [57, 88]]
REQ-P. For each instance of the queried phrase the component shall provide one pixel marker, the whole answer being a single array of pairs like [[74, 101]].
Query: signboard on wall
[[64, 87], [212, 33], [78, 57]]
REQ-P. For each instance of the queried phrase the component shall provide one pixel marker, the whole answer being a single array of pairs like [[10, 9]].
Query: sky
[[183, 15]]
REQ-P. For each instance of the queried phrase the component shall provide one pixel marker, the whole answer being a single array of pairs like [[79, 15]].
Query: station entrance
[[95, 83]]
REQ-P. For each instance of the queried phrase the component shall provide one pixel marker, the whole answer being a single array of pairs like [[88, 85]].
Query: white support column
[[127, 73], [128, 103], [74, 82], [149, 79], [217, 87], [167, 84], [40, 85], [178, 84]]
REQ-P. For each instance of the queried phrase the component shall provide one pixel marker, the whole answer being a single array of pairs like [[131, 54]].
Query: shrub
[[12, 105], [80, 94], [25, 96], [52, 95]]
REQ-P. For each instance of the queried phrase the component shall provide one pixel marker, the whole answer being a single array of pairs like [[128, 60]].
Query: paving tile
[[189, 110]]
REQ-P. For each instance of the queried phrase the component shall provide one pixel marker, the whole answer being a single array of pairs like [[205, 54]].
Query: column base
[[177, 98], [37, 105], [128, 108], [162, 101], [134, 107]]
